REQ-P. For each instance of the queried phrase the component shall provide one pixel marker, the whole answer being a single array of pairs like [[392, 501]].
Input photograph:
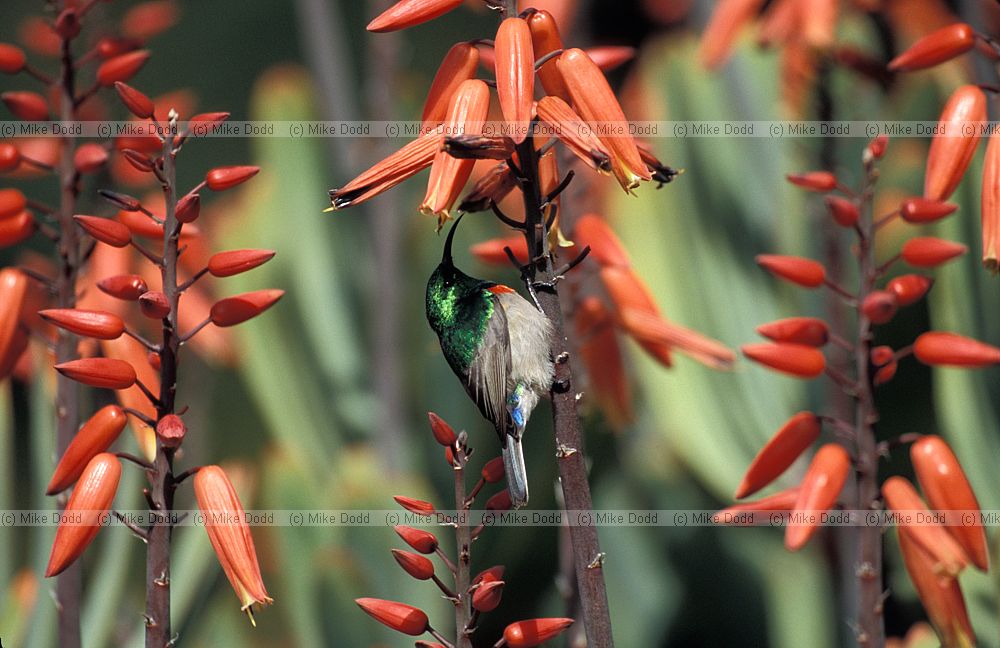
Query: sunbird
[[499, 346]]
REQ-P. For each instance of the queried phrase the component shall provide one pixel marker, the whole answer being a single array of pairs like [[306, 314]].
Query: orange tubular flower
[[990, 204], [941, 597], [653, 329], [96, 436], [952, 150], [515, 71], [947, 489], [928, 251], [601, 353], [781, 501], [404, 163], [534, 632], [818, 492], [628, 291], [466, 114], [230, 537], [91, 498], [596, 103], [804, 272], [780, 452], [89, 323], [407, 13], [795, 360], [605, 246], [810, 331], [574, 133], [13, 289], [900, 495], [545, 39], [459, 65], [492, 251], [936, 47], [722, 29], [398, 616]]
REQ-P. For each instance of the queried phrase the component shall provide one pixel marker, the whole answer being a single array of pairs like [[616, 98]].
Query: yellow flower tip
[[330, 209]]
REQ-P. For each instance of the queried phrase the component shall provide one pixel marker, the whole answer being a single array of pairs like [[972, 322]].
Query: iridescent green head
[[447, 287]]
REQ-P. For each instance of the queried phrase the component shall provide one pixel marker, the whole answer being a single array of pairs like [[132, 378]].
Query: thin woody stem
[[587, 556], [68, 585], [463, 548]]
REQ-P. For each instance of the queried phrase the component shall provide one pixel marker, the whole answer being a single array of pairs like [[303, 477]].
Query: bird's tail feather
[[517, 475]]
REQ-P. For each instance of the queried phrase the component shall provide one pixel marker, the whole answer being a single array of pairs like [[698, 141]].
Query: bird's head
[[447, 283]]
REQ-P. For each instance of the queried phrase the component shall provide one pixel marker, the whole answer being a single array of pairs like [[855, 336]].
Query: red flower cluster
[[473, 596]]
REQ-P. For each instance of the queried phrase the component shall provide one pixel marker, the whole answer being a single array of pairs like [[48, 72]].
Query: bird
[[499, 346]]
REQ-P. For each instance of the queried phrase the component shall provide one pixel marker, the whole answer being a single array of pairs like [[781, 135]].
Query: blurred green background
[[326, 406]]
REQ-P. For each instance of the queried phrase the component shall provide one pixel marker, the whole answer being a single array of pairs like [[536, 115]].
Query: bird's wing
[[487, 383]]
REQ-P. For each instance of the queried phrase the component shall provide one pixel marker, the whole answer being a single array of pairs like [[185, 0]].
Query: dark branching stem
[[463, 557], [161, 478], [868, 568], [587, 556], [68, 585]]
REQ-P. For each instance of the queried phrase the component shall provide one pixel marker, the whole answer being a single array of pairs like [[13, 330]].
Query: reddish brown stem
[[463, 548], [68, 585], [161, 478], [587, 556]]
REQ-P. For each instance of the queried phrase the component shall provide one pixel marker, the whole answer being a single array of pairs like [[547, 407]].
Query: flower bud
[[515, 74], [493, 573], [486, 597], [414, 564], [928, 251], [937, 47], [148, 19], [843, 211], [238, 309], [67, 24], [170, 430], [137, 103], [885, 374], [780, 501], [188, 208], [12, 202], [90, 158], [138, 160], [818, 492], [154, 304], [234, 262], [900, 495], [459, 65], [877, 147], [90, 502], [96, 436], [90, 323], [804, 272], [488, 191], [105, 230], [922, 210], [121, 68], [12, 58], [810, 331], [110, 47], [795, 360], [420, 507], [10, 157], [443, 433], [125, 287], [230, 538], [423, 541], [909, 288], [407, 13], [224, 178], [953, 350], [493, 470], [499, 502], [780, 452], [819, 181], [545, 38], [121, 201], [990, 204], [103, 373], [879, 306], [953, 147], [398, 616], [15, 229], [29, 106], [947, 489], [534, 632], [882, 355]]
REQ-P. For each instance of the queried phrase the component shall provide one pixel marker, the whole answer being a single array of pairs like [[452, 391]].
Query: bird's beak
[[446, 258]]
